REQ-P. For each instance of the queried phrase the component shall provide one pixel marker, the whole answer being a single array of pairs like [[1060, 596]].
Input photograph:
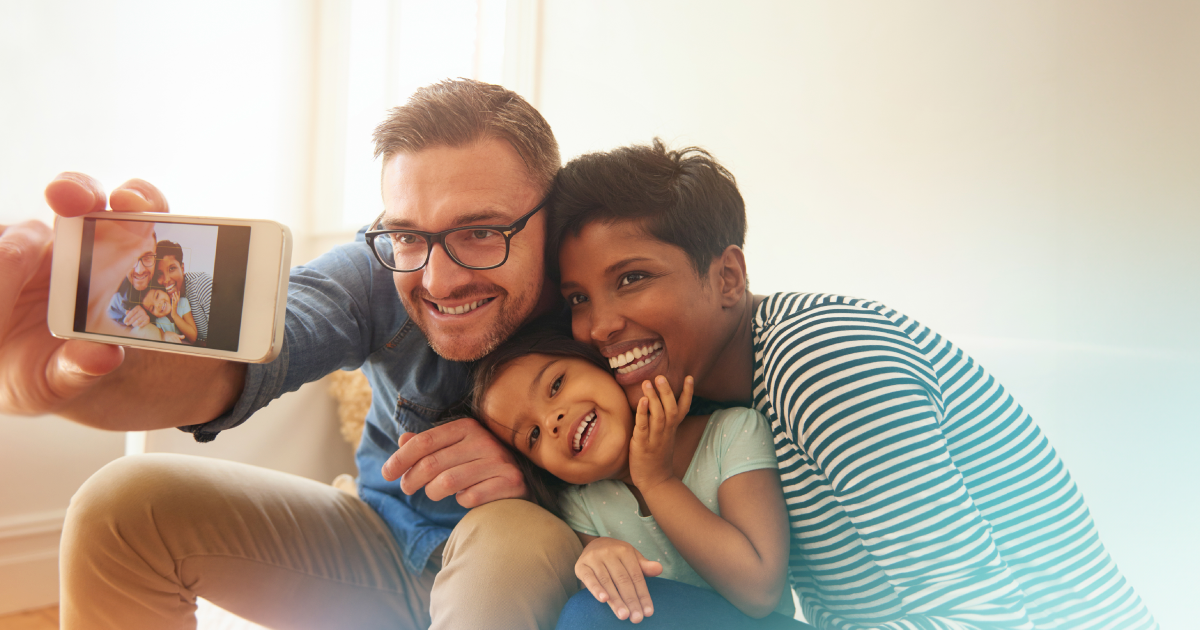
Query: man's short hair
[[682, 197], [169, 248], [459, 112]]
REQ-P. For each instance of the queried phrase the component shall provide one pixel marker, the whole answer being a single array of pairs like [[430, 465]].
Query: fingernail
[[136, 192], [635, 617]]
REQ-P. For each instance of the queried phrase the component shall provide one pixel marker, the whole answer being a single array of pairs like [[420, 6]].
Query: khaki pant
[[148, 534]]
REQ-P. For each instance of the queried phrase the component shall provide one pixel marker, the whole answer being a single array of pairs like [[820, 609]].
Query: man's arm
[[96, 384], [459, 458]]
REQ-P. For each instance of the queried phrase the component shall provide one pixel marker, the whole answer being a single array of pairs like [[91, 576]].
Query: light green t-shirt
[[735, 441]]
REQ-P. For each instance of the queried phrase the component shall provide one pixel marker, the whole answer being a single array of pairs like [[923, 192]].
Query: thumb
[[649, 568], [76, 365]]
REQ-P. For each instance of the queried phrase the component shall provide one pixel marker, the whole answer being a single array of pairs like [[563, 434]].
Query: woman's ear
[[728, 272]]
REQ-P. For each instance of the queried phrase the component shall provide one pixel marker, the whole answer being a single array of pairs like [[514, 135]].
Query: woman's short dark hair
[[545, 336], [169, 248], [682, 197]]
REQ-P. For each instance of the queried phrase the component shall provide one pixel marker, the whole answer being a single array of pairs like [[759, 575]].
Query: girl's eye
[[533, 435], [575, 299], [631, 277], [555, 386]]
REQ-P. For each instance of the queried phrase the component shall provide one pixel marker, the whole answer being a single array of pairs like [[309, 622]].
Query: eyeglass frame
[[434, 238]]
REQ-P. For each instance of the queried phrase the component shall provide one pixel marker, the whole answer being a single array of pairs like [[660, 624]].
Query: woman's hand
[[652, 448], [615, 573]]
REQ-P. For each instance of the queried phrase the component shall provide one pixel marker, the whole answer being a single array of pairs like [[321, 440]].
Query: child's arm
[[185, 323], [615, 572], [743, 552]]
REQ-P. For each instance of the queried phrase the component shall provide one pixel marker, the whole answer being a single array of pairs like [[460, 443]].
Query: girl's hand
[[615, 573], [652, 448], [174, 314]]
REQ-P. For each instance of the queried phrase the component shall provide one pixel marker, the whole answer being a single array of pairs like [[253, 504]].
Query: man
[[195, 286], [125, 307], [147, 535]]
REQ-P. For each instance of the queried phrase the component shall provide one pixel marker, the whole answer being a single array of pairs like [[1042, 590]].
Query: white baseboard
[[29, 560]]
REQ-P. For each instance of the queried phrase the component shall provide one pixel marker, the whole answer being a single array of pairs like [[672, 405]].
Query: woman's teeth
[[465, 308], [584, 427], [634, 359]]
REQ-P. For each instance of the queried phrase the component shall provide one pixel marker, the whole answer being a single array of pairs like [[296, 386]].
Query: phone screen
[[187, 287]]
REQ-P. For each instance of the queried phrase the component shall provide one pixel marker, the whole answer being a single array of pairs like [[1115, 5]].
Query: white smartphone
[[193, 285]]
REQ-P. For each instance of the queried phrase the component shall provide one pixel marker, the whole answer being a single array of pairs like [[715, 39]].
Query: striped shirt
[[920, 494], [198, 287]]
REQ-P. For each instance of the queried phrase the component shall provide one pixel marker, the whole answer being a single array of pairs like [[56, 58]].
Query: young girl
[[694, 499], [172, 314]]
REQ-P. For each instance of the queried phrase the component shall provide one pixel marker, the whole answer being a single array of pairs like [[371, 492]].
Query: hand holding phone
[[42, 374], [208, 286]]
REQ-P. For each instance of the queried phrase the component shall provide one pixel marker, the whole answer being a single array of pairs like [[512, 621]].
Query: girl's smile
[[564, 413]]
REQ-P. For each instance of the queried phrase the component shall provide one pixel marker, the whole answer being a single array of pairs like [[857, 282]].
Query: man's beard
[[504, 323]]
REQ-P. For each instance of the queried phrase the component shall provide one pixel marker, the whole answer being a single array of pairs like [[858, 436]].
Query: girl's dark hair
[[684, 197], [545, 336]]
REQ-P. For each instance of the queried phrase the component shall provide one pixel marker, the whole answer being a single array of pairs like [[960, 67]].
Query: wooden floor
[[43, 619]]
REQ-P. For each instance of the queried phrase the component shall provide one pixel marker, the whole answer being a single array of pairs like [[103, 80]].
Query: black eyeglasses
[[471, 246]]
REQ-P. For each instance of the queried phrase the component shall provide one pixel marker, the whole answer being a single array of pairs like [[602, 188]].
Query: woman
[[919, 493]]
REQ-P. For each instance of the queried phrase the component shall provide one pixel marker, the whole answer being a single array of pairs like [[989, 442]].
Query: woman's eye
[[555, 386], [575, 299], [631, 277], [533, 435]]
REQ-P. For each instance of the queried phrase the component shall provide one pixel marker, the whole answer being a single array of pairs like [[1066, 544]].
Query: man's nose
[[441, 275]]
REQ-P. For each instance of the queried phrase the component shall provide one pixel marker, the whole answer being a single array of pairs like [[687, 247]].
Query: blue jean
[[676, 605]]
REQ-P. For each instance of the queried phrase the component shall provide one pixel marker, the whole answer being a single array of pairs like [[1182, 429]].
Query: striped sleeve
[[199, 293], [853, 395]]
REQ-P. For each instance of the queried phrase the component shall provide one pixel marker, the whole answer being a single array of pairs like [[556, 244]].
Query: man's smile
[[461, 309]]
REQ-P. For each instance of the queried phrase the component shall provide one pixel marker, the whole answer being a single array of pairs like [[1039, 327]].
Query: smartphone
[[193, 285]]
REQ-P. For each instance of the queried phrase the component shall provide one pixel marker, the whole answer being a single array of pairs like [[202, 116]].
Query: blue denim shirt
[[343, 312]]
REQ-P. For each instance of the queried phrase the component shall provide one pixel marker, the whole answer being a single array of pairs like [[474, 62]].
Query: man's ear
[[728, 272]]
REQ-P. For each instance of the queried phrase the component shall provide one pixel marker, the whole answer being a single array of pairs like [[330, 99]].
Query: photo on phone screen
[[187, 290]]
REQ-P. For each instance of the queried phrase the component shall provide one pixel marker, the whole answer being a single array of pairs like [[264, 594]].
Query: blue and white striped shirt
[[920, 494]]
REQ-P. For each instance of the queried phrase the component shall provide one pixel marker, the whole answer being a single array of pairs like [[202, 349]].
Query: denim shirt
[[343, 312]]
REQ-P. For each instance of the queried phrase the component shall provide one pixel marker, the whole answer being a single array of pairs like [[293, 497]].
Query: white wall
[[1024, 177]]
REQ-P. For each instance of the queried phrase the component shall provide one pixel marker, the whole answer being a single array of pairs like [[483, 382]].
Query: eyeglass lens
[[474, 247]]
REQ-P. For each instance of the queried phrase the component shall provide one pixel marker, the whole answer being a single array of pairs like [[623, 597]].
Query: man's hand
[[652, 448], [39, 373], [136, 317], [457, 458], [615, 572]]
